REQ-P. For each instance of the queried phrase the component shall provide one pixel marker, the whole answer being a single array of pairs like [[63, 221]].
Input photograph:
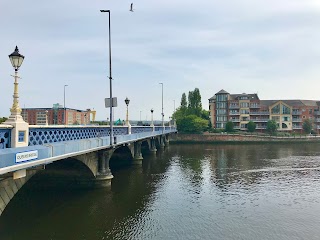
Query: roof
[[293, 103], [222, 92], [250, 96]]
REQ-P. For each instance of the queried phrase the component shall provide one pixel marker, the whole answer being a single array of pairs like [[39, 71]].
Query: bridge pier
[[137, 159], [153, 148], [104, 175], [162, 140]]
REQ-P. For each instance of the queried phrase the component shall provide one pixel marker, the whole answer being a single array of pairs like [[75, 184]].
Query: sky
[[250, 46]]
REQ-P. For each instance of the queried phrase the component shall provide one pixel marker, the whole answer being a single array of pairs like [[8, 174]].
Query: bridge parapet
[[139, 129], [48, 153], [39, 135]]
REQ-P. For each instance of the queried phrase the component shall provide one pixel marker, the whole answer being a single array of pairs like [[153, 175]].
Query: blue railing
[[5, 136], [39, 136], [137, 129]]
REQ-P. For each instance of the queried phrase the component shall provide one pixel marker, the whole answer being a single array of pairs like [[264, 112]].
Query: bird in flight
[[131, 7]]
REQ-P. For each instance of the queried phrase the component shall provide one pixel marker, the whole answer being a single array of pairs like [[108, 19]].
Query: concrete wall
[[9, 187], [207, 138]]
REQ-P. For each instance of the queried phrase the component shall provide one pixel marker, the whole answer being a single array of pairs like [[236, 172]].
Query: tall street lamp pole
[[16, 60], [64, 104], [110, 78], [162, 106]]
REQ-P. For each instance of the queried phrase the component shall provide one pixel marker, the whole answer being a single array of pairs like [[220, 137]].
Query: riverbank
[[239, 138]]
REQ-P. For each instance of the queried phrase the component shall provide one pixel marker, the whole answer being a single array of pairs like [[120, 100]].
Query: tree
[[272, 126], [251, 126], [192, 124], [229, 127], [3, 119], [307, 126], [184, 104], [194, 102]]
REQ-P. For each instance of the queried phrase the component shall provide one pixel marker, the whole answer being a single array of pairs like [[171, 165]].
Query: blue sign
[[21, 136]]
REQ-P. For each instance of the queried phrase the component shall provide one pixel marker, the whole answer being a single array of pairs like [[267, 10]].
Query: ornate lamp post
[[152, 117], [127, 101], [20, 130], [16, 60]]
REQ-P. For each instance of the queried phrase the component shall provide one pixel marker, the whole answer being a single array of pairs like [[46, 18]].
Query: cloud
[[269, 47]]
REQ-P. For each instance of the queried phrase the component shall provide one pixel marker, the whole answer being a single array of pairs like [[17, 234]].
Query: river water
[[269, 191]]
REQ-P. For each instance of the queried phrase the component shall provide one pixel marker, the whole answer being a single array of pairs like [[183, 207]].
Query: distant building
[[242, 108], [56, 115]]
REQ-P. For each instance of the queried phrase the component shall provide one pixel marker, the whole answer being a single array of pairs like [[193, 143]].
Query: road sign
[[108, 103]]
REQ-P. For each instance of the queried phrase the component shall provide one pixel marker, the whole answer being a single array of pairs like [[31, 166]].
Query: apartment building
[[242, 108], [55, 115]]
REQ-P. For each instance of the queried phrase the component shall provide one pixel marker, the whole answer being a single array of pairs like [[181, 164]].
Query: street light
[[152, 117], [162, 106], [110, 78], [16, 60], [127, 101], [64, 104]]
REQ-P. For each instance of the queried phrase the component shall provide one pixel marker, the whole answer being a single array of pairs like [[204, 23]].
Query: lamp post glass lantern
[[16, 60], [127, 101]]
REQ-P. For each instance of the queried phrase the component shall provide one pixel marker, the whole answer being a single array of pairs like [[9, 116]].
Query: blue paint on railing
[[5, 138], [39, 136], [137, 129]]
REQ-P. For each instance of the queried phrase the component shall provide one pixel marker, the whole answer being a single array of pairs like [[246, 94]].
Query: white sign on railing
[[26, 156]]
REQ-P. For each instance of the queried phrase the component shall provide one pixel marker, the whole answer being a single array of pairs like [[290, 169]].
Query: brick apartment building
[[242, 108], [56, 115]]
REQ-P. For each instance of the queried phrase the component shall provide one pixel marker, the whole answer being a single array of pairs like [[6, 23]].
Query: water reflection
[[268, 191]]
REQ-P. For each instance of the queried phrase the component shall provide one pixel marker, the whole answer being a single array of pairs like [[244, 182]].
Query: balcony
[[254, 106], [260, 120], [233, 106], [296, 112], [259, 113], [317, 113], [261, 127], [296, 127], [317, 120], [234, 113], [296, 120], [234, 119]]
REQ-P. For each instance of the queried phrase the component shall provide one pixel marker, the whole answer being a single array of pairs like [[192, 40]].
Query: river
[[263, 191]]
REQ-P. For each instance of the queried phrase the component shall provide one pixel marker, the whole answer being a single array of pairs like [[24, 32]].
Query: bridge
[[90, 145]]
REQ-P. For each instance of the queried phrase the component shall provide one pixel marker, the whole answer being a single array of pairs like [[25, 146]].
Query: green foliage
[[184, 104], [3, 119], [192, 124], [229, 127], [251, 126], [194, 103], [272, 126], [307, 126], [190, 116]]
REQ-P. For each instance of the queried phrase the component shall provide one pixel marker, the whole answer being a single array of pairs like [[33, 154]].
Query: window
[[221, 112], [222, 97], [244, 105], [310, 111], [244, 111], [277, 119], [220, 105], [286, 110], [276, 109], [285, 119]]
